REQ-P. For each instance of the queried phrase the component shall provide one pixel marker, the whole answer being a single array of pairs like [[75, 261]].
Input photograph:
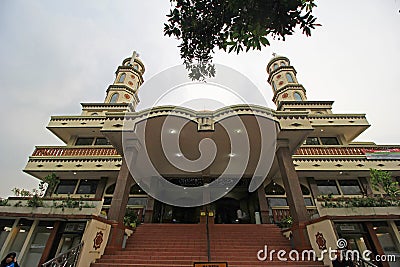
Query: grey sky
[[56, 54]]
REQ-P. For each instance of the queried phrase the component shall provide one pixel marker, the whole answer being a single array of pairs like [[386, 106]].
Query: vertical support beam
[[10, 238], [313, 187], [28, 242], [121, 196], [395, 233], [264, 209], [295, 198], [375, 241], [49, 243], [365, 185], [101, 187]]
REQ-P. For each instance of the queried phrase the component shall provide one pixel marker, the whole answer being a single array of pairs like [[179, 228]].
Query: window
[[350, 187], [289, 78], [137, 201], [308, 201], [277, 201], [114, 98], [101, 141], [122, 78], [84, 141], [135, 189], [107, 201], [276, 66], [327, 187], [87, 187], [297, 97], [274, 189], [329, 141], [273, 86], [110, 189], [66, 187], [283, 64], [305, 190], [312, 141]]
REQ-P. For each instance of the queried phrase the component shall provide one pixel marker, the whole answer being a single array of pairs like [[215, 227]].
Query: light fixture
[[374, 227], [322, 130], [178, 155], [231, 155], [238, 130], [49, 227], [172, 131], [74, 173], [227, 188], [22, 230]]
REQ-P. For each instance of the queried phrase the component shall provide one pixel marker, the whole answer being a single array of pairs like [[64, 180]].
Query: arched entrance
[[226, 210]]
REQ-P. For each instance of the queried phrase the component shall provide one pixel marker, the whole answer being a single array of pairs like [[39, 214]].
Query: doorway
[[164, 213], [226, 210]]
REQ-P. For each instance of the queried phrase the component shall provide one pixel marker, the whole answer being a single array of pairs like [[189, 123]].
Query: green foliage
[[21, 192], [48, 183], [375, 201], [69, 202], [232, 25], [4, 202], [130, 218], [286, 222], [35, 201], [384, 180]]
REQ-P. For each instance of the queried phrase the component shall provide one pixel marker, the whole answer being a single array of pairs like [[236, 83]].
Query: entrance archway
[[226, 210]]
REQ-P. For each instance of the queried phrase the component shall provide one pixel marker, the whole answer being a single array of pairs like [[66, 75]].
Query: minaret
[[282, 78], [129, 77]]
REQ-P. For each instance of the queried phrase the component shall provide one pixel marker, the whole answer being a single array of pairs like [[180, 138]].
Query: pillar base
[[116, 238], [300, 238]]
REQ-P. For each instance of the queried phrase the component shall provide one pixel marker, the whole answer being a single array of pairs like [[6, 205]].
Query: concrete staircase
[[238, 244], [180, 245]]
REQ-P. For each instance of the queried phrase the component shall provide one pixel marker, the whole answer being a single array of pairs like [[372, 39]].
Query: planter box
[[48, 208], [358, 211]]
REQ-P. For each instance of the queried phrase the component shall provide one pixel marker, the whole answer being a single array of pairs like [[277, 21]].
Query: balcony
[[19, 206], [280, 213], [48, 159], [54, 151]]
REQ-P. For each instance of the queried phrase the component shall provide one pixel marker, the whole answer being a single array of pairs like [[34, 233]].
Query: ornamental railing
[[74, 151], [67, 259]]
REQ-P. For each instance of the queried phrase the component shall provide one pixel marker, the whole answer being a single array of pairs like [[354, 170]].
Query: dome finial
[[134, 56], [274, 54]]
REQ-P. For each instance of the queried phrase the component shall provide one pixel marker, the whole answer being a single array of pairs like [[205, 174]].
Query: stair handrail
[[360, 262], [68, 258], [208, 238]]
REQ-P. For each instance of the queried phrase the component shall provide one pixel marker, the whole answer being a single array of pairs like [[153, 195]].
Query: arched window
[[305, 190], [273, 86], [283, 64], [274, 189], [297, 97], [276, 66], [122, 78], [110, 189], [289, 78], [114, 98], [135, 189]]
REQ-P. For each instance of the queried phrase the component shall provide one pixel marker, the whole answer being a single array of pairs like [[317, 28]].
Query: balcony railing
[[342, 151], [278, 214], [74, 151]]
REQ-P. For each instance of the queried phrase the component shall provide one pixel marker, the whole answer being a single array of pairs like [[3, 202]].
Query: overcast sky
[[56, 54]]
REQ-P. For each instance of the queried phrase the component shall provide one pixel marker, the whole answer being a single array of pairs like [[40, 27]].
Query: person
[[10, 260]]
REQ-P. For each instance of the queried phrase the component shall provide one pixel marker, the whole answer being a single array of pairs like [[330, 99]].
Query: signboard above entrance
[[210, 264]]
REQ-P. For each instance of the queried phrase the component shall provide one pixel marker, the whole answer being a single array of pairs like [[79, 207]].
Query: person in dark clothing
[[10, 260]]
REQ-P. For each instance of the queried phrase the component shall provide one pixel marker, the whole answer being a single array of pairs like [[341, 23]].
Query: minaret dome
[[282, 78], [128, 79]]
